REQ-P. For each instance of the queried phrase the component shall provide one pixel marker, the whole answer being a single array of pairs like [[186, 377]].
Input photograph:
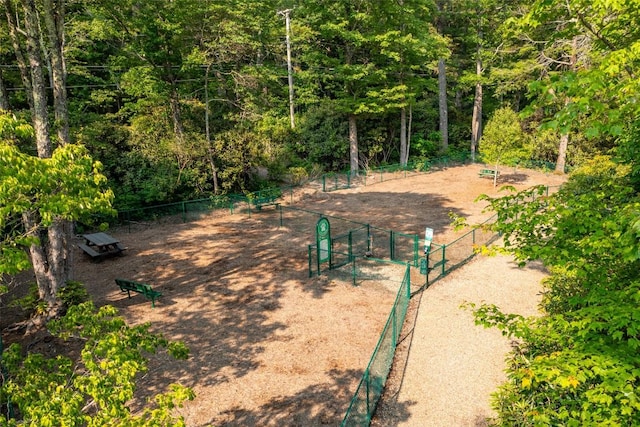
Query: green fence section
[[184, 211], [445, 257], [249, 202], [371, 386], [442, 259], [365, 241]]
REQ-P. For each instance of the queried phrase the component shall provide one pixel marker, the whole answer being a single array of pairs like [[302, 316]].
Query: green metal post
[[416, 248], [281, 219], [444, 266], [408, 274], [394, 314], [367, 382], [391, 246], [348, 180], [353, 263], [184, 212]]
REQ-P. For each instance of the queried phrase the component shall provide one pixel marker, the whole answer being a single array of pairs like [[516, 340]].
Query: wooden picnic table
[[100, 245]]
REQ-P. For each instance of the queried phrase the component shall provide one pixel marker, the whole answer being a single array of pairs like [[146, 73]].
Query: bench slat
[[90, 251], [141, 288]]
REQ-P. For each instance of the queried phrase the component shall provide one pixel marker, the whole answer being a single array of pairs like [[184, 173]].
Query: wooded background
[[185, 98]]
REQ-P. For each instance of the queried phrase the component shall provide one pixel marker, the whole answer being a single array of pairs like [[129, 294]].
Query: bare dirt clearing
[[269, 346]]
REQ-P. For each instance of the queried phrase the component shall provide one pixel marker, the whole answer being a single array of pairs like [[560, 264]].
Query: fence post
[[367, 382], [444, 259], [348, 180], [354, 272], [394, 314], [408, 274], [184, 212], [324, 183], [391, 245], [416, 248]]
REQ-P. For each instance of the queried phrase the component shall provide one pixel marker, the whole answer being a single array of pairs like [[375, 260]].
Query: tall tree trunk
[[353, 144], [49, 254], [404, 154], [182, 156], [48, 257], [10, 14], [406, 161], [564, 138], [4, 96], [443, 109], [210, 150], [562, 153], [38, 86], [61, 230], [476, 120], [54, 12]]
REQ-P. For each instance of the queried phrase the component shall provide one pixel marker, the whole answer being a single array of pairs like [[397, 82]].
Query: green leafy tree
[[504, 139], [66, 186], [366, 59], [95, 389], [577, 364], [587, 57]]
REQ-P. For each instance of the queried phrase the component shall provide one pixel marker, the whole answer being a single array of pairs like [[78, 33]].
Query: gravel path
[[450, 366]]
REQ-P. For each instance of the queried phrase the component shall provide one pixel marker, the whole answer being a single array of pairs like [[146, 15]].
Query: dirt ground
[[269, 345]]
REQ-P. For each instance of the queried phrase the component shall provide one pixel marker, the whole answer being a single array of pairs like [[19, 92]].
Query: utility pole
[[286, 13]]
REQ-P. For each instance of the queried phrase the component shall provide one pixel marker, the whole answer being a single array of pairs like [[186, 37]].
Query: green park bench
[[489, 173], [129, 286]]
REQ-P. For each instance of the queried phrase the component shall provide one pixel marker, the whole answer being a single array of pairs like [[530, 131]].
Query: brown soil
[[269, 345]]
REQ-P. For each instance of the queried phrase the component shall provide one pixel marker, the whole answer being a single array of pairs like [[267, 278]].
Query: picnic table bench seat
[[145, 289], [89, 250]]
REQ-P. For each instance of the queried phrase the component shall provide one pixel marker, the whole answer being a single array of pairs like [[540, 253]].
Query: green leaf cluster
[[504, 140], [69, 186], [578, 364], [94, 390]]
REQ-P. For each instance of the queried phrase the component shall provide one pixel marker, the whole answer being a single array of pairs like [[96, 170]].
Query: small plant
[[73, 293]]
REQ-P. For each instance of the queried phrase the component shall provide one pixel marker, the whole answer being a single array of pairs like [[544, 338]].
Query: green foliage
[[94, 390], [323, 137], [503, 139], [69, 185], [73, 293], [577, 364], [427, 147]]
